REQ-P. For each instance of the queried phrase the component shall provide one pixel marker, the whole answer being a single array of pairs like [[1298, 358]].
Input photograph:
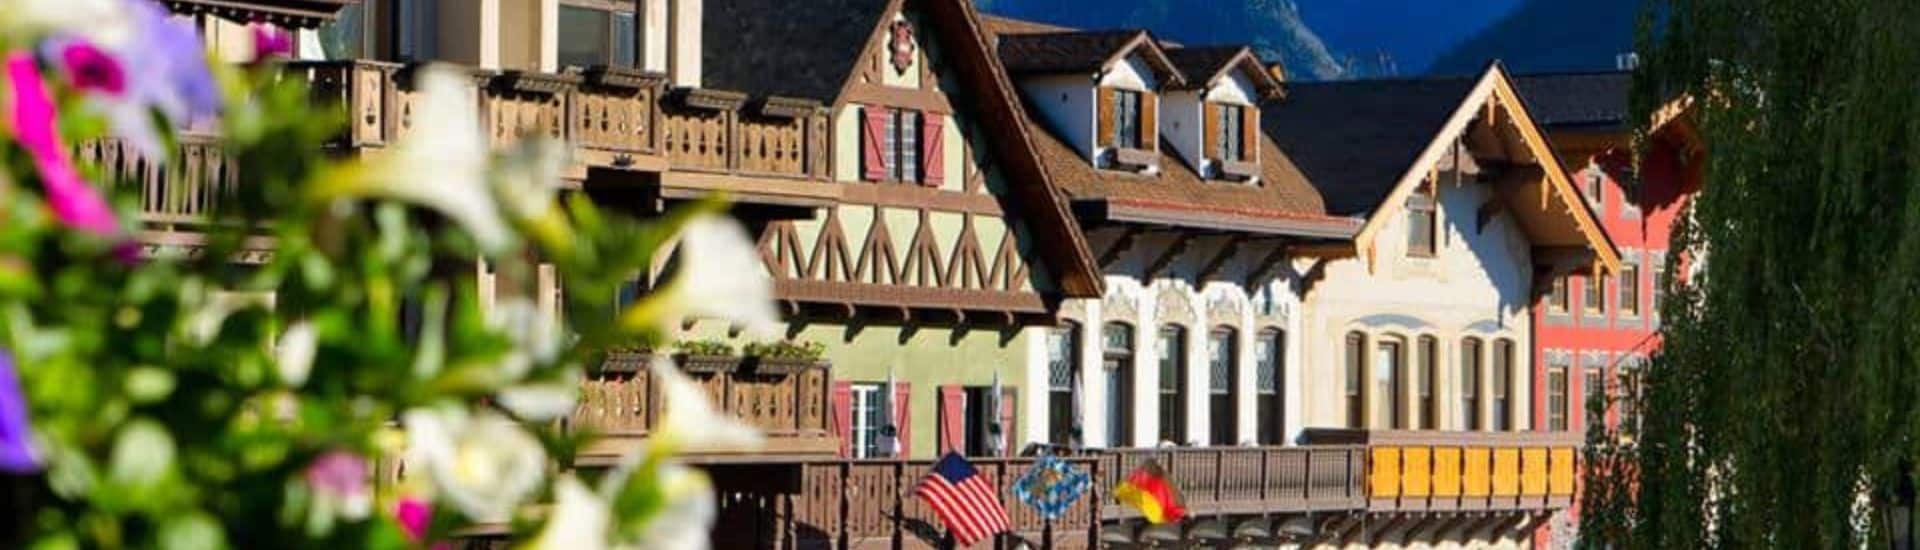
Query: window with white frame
[[598, 32], [870, 405]]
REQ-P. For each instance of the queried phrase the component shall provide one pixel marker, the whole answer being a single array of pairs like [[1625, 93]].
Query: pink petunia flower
[[32, 123], [270, 42], [92, 69]]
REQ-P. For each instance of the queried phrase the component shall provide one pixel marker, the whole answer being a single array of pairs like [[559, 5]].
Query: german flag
[[1148, 490]]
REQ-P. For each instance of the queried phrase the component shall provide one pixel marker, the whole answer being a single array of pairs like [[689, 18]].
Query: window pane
[[1356, 362], [1502, 384], [626, 40], [908, 169], [1592, 387], [1173, 385], [1629, 290], [1117, 341], [1267, 363], [1557, 398], [1471, 363], [1386, 386], [1428, 365], [1595, 294], [585, 38]]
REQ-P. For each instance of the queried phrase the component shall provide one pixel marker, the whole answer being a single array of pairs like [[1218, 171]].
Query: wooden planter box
[[707, 363], [625, 361], [782, 366]]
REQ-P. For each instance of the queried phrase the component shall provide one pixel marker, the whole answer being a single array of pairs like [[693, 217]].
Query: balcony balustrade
[[616, 122], [789, 408], [1444, 471]]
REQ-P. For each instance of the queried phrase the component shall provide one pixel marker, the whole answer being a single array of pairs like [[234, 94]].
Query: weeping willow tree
[[1782, 409]]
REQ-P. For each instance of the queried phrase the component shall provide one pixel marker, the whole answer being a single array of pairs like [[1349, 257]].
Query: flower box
[[782, 366], [625, 361], [707, 363]]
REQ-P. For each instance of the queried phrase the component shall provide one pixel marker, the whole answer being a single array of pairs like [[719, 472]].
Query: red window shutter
[[953, 419], [903, 417], [933, 160], [873, 131], [843, 416], [1007, 427]]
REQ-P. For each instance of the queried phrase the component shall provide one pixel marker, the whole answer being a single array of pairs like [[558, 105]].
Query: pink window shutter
[[903, 417], [933, 149], [953, 419], [873, 158], [843, 416]]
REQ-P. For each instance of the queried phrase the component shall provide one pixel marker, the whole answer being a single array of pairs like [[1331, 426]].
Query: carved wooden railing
[[614, 119], [1249, 480], [870, 503], [791, 410], [1418, 471]]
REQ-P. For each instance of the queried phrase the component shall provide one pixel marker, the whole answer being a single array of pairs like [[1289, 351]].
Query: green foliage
[[704, 347], [164, 415], [782, 349], [1783, 403]]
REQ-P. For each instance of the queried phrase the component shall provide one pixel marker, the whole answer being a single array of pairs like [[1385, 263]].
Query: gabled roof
[[1577, 101], [1208, 64], [1068, 52], [1367, 144], [1282, 203], [1354, 139], [774, 48]]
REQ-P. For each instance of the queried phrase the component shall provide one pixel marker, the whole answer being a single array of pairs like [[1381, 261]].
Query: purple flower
[[74, 202], [270, 42], [339, 479], [161, 67], [93, 70], [16, 436]]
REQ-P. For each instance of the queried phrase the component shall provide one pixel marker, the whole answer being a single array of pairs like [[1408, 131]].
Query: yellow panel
[[1417, 468], [1506, 472], [1385, 482], [1533, 471], [1560, 479], [1479, 476], [1446, 471]]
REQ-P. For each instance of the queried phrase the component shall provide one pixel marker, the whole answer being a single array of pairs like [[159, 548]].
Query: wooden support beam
[[1267, 264], [1119, 247], [1167, 256], [1219, 261]]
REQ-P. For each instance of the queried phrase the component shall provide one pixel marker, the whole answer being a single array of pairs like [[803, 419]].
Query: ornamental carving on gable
[[1119, 307], [1224, 308], [900, 47], [1174, 307]]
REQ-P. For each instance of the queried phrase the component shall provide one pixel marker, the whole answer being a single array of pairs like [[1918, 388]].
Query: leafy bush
[[782, 349]]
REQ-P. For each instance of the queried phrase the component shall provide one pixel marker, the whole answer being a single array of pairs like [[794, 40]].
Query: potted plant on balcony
[[783, 357], [705, 356], [625, 359]]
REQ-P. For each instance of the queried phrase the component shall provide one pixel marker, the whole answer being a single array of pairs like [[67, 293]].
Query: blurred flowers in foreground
[[357, 388]]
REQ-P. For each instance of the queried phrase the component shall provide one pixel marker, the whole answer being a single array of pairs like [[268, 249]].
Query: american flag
[[963, 499]]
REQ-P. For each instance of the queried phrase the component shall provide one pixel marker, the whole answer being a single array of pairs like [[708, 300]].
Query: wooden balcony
[[1472, 471], [870, 504], [1248, 480], [791, 410], [625, 129]]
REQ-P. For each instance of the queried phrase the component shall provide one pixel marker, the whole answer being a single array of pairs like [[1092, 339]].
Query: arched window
[[1356, 380], [1472, 363], [1389, 385], [1503, 385], [1223, 388], [1427, 366], [1269, 361], [1173, 384], [1063, 383], [1116, 346]]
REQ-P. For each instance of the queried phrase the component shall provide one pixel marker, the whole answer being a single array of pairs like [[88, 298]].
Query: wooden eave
[[1266, 83], [1208, 219], [1170, 75], [1495, 94], [1038, 199], [304, 14]]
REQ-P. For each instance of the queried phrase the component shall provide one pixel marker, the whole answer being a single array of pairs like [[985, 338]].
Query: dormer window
[[1231, 119], [1126, 112]]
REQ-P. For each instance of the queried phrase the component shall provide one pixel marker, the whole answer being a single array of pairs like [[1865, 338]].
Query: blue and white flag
[[1051, 486]]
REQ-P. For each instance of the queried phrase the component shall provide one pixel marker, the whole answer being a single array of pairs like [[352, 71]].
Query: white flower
[[442, 162], [721, 277], [536, 335], [540, 402], [483, 464], [579, 519], [692, 425], [294, 353], [686, 523]]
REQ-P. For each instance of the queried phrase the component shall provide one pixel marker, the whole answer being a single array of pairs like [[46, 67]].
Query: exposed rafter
[[1166, 258], [1267, 264], [1120, 246], [1220, 259]]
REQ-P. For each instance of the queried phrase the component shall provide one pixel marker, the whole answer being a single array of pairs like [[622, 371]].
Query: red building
[[1592, 332]]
